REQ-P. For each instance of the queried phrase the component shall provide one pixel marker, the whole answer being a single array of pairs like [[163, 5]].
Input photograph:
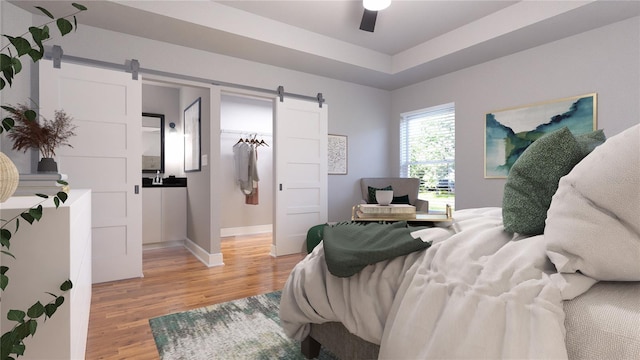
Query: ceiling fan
[[371, 8]]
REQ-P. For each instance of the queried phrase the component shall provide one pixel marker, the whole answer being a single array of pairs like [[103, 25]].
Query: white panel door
[[106, 107], [300, 157]]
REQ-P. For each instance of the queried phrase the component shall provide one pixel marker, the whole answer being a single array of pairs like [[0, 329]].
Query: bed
[[553, 273]]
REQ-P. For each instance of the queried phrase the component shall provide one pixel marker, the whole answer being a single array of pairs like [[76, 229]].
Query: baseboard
[[287, 249], [162, 245], [210, 260], [246, 230]]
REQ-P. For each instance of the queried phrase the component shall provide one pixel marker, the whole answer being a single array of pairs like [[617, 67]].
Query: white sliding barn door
[[300, 158], [106, 107]]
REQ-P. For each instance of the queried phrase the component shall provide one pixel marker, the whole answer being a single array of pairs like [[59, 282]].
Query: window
[[427, 152]]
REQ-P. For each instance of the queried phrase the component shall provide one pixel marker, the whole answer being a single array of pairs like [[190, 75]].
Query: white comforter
[[477, 292]]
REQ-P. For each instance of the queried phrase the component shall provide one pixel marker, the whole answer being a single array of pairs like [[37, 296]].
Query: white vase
[[384, 197], [8, 177]]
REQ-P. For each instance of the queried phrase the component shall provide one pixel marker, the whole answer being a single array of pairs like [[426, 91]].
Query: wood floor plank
[[174, 281]]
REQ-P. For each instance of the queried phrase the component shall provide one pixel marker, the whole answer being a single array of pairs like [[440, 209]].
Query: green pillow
[[314, 236], [589, 141], [533, 179], [372, 193], [403, 199]]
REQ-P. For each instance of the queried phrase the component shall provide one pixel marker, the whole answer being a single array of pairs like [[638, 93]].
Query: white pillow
[[593, 223]]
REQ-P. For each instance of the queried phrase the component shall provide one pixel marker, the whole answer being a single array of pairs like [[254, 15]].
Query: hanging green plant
[[47, 137]]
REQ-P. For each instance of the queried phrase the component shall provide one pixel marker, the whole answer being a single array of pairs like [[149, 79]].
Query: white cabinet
[[48, 252], [164, 214]]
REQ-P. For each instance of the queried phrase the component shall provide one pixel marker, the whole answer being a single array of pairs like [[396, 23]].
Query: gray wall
[[605, 61], [12, 23], [166, 100]]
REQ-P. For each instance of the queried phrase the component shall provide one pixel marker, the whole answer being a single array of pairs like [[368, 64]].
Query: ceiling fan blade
[[368, 22]]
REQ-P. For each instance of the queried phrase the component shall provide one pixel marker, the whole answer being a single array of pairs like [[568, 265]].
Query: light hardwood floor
[[174, 280]]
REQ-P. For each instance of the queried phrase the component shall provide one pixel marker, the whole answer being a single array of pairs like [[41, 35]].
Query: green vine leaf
[[66, 286], [45, 11], [50, 309], [21, 44], [5, 63], [36, 310], [17, 65], [33, 326], [5, 236], [8, 253], [62, 182], [43, 195], [4, 281], [27, 217], [37, 34], [2, 84], [8, 123], [79, 6], [62, 195], [31, 115], [64, 26], [36, 55], [36, 212], [59, 301], [56, 201], [16, 315]]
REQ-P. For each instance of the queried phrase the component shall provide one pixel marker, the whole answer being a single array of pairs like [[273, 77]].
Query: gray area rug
[[246, 328]]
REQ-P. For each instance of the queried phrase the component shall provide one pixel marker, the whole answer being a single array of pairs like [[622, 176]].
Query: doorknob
[[280, 187]]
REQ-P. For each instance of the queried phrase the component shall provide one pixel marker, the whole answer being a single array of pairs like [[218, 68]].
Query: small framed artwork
[[337, 154], [509, 132], [192, 137]]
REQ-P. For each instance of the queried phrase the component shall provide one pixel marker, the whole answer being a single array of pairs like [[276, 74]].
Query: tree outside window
[[427, 152]]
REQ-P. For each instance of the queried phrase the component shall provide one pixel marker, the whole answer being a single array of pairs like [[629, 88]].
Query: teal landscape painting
[[509, 132]]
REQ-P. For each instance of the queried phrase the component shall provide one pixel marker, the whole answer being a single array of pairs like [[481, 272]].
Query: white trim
[[246, 230], [210, 260], [280, 250], [163, 245]]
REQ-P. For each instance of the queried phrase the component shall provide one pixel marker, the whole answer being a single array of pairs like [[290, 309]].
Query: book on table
[[387, 211]]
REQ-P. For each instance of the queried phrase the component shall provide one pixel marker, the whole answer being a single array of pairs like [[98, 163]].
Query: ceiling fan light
[[375, 5]]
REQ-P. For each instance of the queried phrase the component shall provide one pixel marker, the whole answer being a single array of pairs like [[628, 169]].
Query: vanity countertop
[[166, 182]]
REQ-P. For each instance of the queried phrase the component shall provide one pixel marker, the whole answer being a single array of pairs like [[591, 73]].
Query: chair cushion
[[403, 199]]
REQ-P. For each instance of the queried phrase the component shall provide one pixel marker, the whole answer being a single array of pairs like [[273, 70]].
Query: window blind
[[427, 143]]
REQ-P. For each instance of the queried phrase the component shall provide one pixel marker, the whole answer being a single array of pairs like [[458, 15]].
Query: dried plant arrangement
[[46, 135]]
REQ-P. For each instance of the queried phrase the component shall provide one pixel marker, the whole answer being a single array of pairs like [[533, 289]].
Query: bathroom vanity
[[164, 211]]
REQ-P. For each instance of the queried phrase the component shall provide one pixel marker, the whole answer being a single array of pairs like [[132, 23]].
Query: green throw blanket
[[349, 247]]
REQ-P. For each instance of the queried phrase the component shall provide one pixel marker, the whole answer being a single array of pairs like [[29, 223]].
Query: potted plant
[[45, 135]]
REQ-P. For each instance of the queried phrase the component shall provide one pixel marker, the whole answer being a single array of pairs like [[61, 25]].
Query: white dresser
[[48, 252]]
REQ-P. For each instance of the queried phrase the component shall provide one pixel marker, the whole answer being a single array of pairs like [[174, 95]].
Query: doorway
[[249, 120]]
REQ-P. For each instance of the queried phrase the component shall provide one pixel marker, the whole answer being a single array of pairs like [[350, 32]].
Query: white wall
[[605, 61], [239, 118]]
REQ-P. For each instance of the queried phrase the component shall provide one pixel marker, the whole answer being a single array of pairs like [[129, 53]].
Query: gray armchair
[[400, 186]]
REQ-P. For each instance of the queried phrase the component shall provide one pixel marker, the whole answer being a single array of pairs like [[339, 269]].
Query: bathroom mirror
[[152, 142]]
